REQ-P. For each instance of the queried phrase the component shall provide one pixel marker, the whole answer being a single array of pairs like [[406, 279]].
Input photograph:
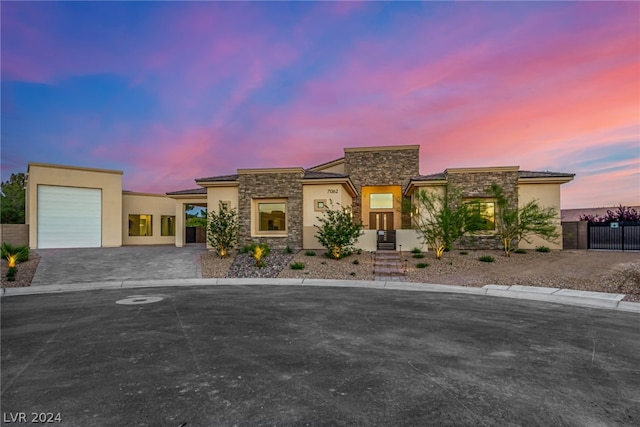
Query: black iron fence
[[387, 239], [621, 236]]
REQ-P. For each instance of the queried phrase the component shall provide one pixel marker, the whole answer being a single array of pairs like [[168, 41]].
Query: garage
[[69, 217]]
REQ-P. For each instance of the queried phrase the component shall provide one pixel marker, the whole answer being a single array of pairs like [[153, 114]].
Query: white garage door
[[69, 217]]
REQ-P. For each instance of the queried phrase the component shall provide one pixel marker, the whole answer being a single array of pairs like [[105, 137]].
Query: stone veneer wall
[[15, 234], [384, 167], [271, 185], [476, 185]]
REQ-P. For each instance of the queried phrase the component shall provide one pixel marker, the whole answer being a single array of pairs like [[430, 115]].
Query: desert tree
[[517, 223], [222, 230]]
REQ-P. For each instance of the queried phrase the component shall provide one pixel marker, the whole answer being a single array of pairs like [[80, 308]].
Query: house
[[83, 207]]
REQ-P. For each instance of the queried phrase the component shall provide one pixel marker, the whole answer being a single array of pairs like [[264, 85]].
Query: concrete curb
[[552, 295]]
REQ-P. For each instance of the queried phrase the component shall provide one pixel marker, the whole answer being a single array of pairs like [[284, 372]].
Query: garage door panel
[[69, 217]]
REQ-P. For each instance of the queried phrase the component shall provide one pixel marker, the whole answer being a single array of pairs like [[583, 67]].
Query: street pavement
[[315, 355]]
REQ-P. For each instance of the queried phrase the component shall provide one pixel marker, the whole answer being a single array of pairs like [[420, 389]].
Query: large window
[[140, 225], [272, 218], [381, 201], [167, 225], [485, 214]]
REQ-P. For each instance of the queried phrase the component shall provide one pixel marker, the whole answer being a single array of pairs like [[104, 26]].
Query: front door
[[381, 221]]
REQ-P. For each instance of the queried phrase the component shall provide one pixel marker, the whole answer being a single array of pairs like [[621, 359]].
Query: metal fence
[[621, 236]]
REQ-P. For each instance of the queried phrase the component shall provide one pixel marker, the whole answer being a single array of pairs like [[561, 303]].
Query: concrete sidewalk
[[553, 295]]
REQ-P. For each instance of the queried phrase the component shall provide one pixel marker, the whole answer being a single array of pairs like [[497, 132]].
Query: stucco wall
[[547, 195], [109, 181], [335, 193], [155, 205]]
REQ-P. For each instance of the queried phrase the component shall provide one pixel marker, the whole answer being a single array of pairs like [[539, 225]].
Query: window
[[272, 218], [140, 225], [320, 205], [167, 225], [381, 201], [485, 214]]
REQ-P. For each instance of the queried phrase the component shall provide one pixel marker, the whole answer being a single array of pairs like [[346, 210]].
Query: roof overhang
[[413, 185], [546, 180], [345, 182]]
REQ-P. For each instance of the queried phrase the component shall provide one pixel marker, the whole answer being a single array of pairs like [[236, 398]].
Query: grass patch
[[422, 265], [520, 251], [309, 253], [297, 266], [420, 255], [543, 249], [486, 258]]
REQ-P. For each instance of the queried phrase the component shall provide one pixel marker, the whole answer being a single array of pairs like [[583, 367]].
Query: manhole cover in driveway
[[138, 299]]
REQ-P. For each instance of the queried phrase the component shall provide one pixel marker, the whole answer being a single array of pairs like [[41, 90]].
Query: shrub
[[297, 266], [520, 251], [222, 230], [324, 263], [337, 231], [288, 250], [20, 252], [309, 253], [486, 258], [543, 249], [422, 265], [416, 251], [353, 273], [258, 251], [356, 262], [418, 255], [464, 253]]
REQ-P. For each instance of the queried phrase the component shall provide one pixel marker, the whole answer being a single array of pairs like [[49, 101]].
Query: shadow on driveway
[[62, 266], [247, 355]]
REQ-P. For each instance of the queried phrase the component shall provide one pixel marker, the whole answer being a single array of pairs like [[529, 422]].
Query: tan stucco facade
[[548, 196], [155, 205], [108, 181], [329, 194]]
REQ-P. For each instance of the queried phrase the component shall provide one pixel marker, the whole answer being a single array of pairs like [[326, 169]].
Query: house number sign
[[332, 191]]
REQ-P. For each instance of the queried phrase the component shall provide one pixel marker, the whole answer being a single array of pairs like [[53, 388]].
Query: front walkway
[[388, 267], [62, 266]]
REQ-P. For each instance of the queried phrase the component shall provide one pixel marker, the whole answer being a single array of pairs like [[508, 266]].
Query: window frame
[[256, 223], [149, 226], [385, 207], [470, 203], [173, 225]]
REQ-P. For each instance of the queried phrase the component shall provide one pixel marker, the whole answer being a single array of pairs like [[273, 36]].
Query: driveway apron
[[62, 266]]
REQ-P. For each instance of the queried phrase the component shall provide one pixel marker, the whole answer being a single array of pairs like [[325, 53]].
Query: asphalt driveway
[[62, 266], [277, 355]]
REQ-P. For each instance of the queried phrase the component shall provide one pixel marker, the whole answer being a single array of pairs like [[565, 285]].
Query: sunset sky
[[172, 91]]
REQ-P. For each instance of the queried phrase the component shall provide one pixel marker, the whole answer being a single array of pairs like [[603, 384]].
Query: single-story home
[[68, 206]]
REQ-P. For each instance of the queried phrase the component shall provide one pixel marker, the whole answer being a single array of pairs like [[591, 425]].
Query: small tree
[[440, 223], [222, 230], [337, 231], [622, 213], [515, 224], [12, 200]]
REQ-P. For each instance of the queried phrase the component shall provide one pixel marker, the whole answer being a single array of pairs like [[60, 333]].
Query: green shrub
[[486, 258], [324, 263], [543, 249], [353, 273], [422, 265], [355, 262], [418, 255], [464, 253], [309, 253], [520, 251], [416, 251], [222, 230], [337, 232], [288, 250], [297, 266], [21, 252]]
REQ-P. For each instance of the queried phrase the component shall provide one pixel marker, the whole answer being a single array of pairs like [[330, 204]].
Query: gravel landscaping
[[600, 271]]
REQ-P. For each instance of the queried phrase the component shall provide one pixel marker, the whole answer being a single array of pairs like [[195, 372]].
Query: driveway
[[60, 266], [278, 355]]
